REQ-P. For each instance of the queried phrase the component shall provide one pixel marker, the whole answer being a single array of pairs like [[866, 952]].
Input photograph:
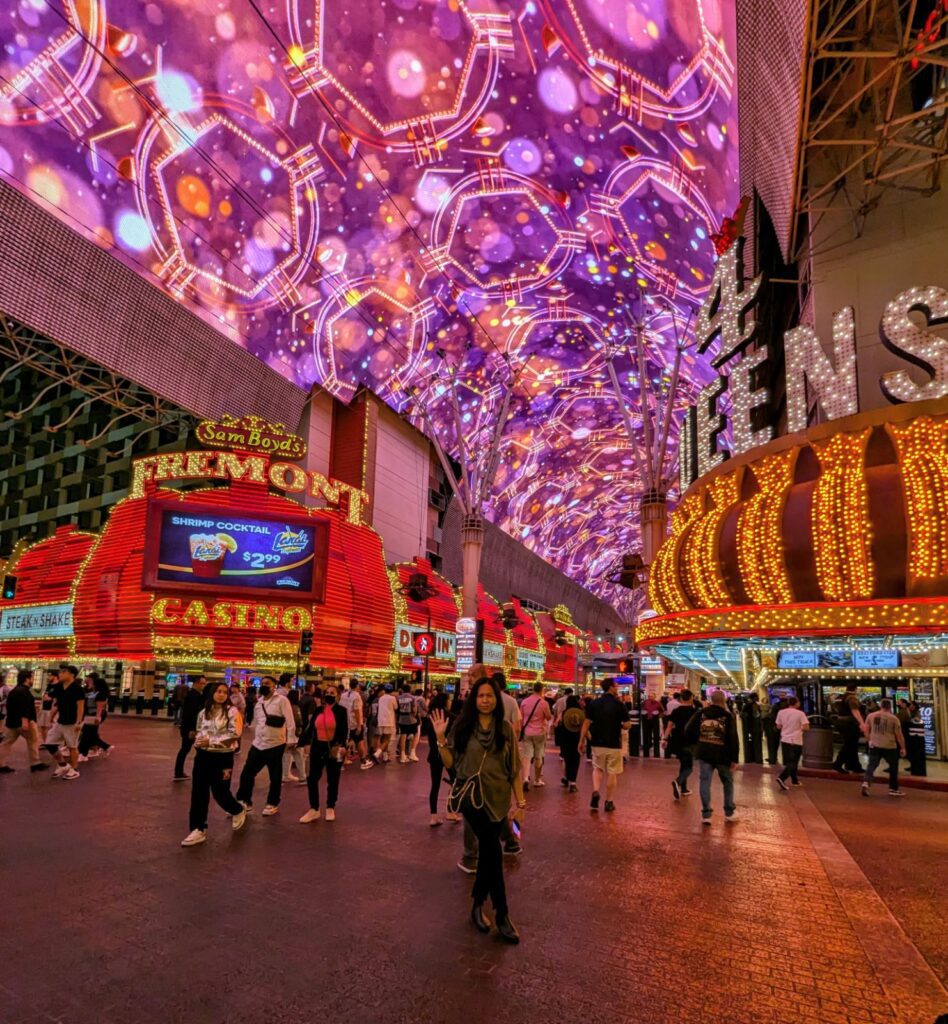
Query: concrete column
[[653, 512], [472, 545]]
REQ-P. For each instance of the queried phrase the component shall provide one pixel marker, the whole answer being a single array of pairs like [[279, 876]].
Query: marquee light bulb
[[807, 363]]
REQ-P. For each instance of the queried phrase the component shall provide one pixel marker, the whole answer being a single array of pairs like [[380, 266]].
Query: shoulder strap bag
[[523, 728], [467, 794]]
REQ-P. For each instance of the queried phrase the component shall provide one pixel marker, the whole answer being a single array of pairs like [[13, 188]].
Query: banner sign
[[884, 658], [796, 659], [493, 653], [40, 622]]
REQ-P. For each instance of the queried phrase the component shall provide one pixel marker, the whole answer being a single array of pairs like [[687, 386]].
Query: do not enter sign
[[424, 644]]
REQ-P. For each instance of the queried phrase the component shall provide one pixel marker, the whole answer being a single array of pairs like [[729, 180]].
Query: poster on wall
[[217, 550], [925, 696]]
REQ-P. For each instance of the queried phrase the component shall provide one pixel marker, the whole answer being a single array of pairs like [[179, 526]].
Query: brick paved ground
[[639, 917]]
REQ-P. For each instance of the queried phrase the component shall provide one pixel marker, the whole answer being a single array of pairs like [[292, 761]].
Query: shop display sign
[[206, 547], [876, 659], [925, 697], [465, 652], [651, 665], [796, 659], [38, 622], [251, 434], [405, 642], [530, 661], [493, 653]]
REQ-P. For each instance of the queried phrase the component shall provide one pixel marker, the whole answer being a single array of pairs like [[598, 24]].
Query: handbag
[[273, 721], [467, 793]]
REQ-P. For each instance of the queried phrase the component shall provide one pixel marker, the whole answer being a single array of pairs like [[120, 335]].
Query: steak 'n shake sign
[[724, 315], [38, 622]]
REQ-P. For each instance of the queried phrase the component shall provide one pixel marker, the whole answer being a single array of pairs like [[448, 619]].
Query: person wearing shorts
[[386, 722], [69, 698], [536, 715], [351, 700], [606, 720]]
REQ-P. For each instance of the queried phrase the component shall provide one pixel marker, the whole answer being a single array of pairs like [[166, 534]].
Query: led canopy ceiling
[[425, 197]]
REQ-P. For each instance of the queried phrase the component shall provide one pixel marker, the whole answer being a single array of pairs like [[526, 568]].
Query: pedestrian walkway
[[639, 917]]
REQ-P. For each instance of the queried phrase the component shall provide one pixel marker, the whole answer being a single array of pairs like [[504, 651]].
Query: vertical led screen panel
[[214, 550], [378, 192]]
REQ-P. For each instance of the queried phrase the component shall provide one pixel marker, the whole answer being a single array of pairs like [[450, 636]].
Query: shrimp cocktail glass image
[[208, 551]]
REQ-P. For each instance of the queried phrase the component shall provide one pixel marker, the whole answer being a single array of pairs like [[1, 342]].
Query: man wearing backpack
[[407, 721], [714, 730]]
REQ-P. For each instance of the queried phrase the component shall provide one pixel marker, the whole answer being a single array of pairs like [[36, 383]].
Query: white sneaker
[[83, 759], [193, 838], [539, 782], [309, 816], [367, 764], [60, 771], [108, 753], [270, 810], [403, 760], [70, 773], [238, 821], [412, 757], [330, 814], [732, 817]]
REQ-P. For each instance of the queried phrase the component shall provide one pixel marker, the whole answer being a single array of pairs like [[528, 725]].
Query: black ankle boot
[[480, 919], [508, 930]]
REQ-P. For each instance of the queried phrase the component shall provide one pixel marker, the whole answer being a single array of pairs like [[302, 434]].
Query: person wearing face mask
[[273, 730], [330, 729]]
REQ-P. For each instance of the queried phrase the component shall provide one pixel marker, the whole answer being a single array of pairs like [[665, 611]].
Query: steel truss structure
[[22, 347], [875, 111]]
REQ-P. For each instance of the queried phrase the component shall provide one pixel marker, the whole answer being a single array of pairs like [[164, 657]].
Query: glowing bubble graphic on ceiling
[[412, 196]]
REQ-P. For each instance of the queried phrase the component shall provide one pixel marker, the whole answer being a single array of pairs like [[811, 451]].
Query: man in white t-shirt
[[388, 707], [791, 723]]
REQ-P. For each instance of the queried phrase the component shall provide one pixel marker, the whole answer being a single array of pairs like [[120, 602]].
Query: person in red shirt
[[535, 714], [652, 711]]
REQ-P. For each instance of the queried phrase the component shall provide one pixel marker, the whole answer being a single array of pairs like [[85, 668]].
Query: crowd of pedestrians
[[485, 751]]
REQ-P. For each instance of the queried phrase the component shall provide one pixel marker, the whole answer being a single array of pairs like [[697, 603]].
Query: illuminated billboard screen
[[214, 549]]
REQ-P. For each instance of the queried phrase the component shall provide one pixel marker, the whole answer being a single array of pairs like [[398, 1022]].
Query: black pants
[[891, 758], [570, 752], [186, 744], [652, 735], [320, 758], [89, 737], [791, 758], [848, 756], [753, 744], [437, 774], [686, 763], [489, 880], [773, 740], [211, 777], [257, 760]]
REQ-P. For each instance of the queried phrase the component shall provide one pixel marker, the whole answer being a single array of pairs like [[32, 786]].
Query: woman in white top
[[219, 727]]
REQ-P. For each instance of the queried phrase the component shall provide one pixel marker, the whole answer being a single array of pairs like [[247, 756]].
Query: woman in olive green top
[[482, 742]]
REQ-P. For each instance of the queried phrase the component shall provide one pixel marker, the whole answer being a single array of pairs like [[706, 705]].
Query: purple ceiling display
[[409, 195]]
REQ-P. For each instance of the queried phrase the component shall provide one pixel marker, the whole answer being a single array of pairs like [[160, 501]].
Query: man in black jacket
[[714, 730], [193, 704]]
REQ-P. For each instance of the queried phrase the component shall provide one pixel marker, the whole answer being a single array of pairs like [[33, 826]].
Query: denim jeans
[[705, 773], [891, 758]]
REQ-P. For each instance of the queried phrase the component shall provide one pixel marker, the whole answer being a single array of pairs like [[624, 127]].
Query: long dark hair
[[467, 720], [210, 707]]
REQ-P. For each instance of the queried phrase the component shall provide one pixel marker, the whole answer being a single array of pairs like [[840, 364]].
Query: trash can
[[155, 705], [818, 743], [635, 737], [126, 700]]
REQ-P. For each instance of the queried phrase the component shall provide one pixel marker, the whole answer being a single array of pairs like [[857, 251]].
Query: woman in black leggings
[[438, 703]]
